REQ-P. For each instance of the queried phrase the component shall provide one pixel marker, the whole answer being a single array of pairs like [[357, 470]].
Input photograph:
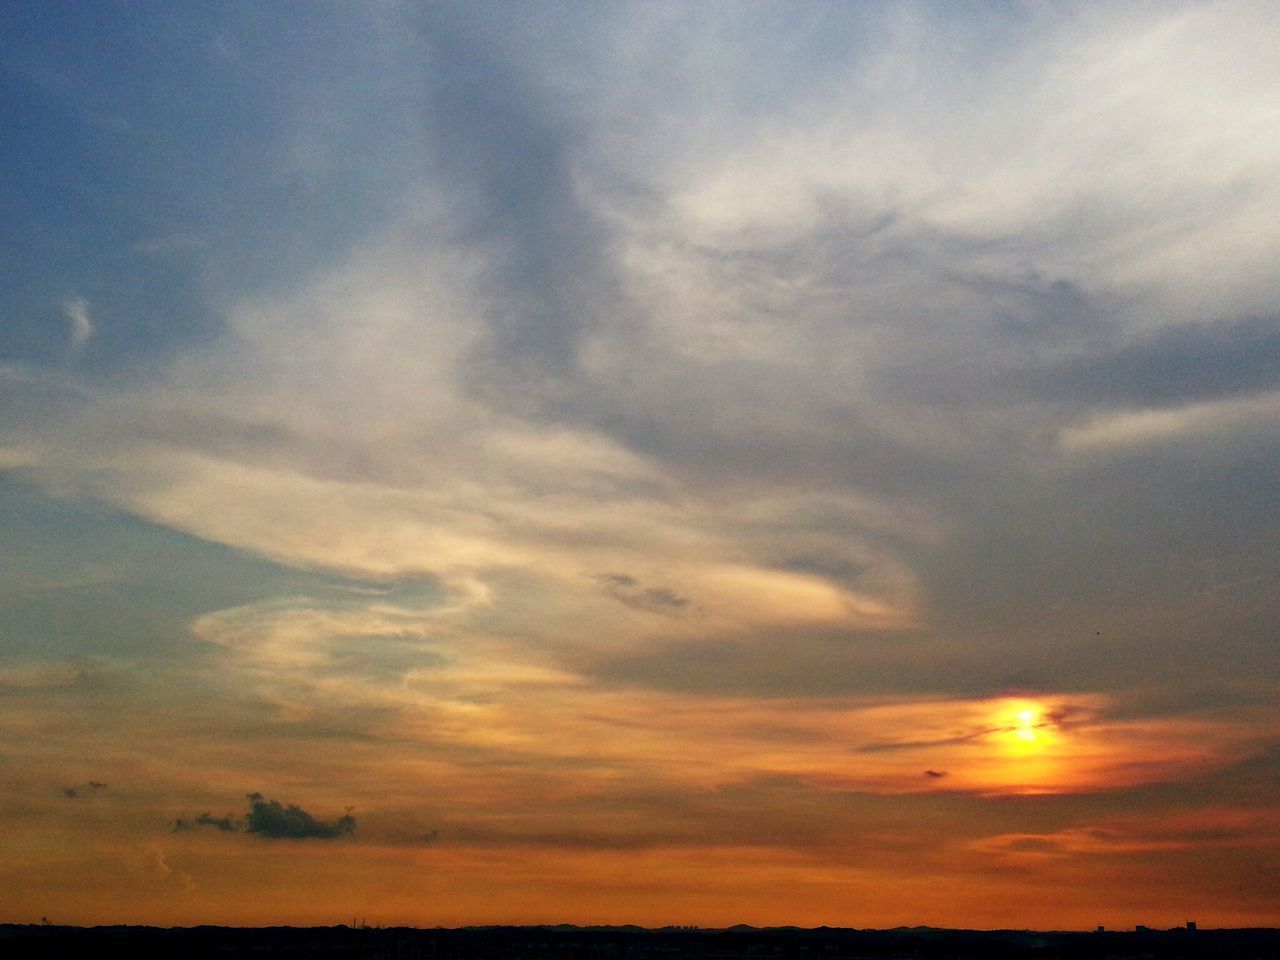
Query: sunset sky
[[700, 463]]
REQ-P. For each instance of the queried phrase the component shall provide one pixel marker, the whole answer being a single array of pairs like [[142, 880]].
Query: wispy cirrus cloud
[[79, 322]]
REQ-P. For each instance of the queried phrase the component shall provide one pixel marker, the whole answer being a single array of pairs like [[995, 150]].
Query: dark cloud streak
[[507, 153], [1169, 367], [82, 790], [273, 820], [628, 590], [226, 824]]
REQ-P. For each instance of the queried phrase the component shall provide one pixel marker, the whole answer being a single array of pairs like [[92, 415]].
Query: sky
[[695, 463]]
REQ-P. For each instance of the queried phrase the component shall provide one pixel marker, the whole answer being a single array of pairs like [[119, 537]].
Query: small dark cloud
[[1067, 716], [273, 819], [627, 589], [662, 597], [836, 569], [226, 824], [617, 579], [935, 774], [83, 789]]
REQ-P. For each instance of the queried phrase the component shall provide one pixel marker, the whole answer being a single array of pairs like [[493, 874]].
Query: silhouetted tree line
[[624, 943]]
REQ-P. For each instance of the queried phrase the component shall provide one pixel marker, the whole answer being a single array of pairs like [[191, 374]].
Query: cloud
[[1180, 828], [1167, 367], [1205, 423], [81, 790], [226, 824], [76, 312], [272, 819], [617, 579], [627, 589], [506, 151], [154, 862]]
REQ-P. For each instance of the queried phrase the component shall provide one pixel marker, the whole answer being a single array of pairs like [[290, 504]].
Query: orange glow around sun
[[1031, 753], [1025, 728]]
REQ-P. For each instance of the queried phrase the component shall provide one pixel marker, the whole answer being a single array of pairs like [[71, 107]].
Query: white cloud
[[76, 311], [336, 430], [1195, 422], [1132, 151]]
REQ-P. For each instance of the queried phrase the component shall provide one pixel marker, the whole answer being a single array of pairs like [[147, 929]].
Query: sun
[[1024, 728], [1027, 749]]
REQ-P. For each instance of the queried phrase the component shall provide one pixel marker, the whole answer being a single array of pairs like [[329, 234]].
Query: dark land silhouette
[[566, 942]]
